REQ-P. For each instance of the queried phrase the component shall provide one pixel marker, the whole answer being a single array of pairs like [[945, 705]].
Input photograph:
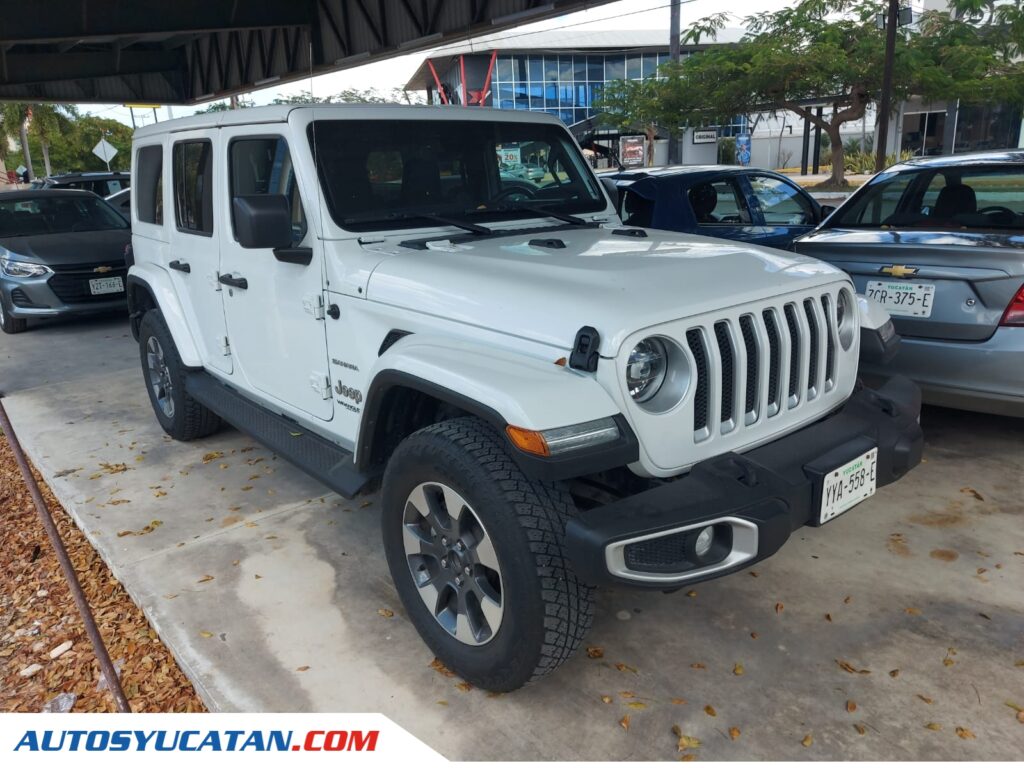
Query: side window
[[719, 202], [263, 166], [114, 185], [781, 203], [192, 164], [149, 162]]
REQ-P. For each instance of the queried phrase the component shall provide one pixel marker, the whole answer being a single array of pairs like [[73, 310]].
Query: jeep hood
[[615, 283]]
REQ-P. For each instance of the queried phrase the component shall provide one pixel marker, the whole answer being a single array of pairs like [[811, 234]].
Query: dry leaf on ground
[[710, 711], [734, 733], [807, 740]]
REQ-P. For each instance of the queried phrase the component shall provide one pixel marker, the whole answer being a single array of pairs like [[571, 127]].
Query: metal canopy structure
[[189, 51]]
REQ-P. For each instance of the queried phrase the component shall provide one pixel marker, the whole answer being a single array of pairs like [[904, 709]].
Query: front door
[[720, 209], [194, 256], [276, 322], [786, 211]]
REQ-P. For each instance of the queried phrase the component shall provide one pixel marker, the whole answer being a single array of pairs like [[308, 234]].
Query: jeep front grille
[[765, 363]]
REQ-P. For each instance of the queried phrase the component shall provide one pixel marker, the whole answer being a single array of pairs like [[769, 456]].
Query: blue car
[[734, 203]]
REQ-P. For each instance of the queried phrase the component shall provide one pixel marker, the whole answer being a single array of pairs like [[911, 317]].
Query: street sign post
[[105, 151]]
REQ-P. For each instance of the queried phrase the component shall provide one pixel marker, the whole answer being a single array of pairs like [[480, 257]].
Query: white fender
[[524, 390], [873, 315], [159, 283]]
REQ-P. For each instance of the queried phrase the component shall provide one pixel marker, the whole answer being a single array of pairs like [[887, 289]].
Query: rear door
[[948, 252], [276, 323], [194, 255], [785, 210]]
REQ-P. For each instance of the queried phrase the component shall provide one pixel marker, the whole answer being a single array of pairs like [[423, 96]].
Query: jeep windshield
[[404, 174]]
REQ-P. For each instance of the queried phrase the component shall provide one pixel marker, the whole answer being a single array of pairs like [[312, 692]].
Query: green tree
[[636, 105], [15, 124], [830, 52], [49, 122]]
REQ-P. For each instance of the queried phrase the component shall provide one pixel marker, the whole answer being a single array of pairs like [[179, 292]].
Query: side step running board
[[331, 464]]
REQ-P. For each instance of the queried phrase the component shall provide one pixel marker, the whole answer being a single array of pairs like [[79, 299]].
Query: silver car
[[939, 242]]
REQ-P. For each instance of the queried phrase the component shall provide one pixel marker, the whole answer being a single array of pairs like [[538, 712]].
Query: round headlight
[[646, 368], [846, 318]]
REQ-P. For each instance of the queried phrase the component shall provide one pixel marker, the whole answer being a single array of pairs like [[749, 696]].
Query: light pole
[[885, 103], [673, 55]]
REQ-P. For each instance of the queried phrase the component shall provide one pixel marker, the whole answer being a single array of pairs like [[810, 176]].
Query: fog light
[[705, 540]]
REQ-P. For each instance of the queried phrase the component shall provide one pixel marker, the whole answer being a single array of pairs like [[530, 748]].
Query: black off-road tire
[[191, 419], [10, 324], [547, 610]]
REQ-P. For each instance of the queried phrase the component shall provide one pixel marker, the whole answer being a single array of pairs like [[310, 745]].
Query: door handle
[[234, 282], [181, 266]]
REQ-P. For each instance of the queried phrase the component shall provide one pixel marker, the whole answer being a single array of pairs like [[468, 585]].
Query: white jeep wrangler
[[551, 401]]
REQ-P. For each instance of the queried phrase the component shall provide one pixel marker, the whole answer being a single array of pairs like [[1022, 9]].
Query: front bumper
[[57, 295], [758, 499]]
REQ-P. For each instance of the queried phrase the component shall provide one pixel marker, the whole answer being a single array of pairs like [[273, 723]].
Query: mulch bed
[[38, 615]]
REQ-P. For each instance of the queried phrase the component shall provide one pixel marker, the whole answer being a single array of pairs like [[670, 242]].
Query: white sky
[[394, 73]]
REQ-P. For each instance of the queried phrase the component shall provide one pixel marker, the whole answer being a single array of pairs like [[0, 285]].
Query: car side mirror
[[826, 211], [262, 221]]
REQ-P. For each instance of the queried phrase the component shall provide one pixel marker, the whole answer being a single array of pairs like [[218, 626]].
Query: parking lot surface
[[894, 632]]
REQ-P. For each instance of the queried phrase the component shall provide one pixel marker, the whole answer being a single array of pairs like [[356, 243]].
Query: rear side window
[[263, 166], [718, 202], [192, 163], [149, 162]]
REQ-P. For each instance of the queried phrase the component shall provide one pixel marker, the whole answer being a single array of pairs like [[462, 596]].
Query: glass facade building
[[565, 85]]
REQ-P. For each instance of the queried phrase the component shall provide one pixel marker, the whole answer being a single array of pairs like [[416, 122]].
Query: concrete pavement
[[268, 591]]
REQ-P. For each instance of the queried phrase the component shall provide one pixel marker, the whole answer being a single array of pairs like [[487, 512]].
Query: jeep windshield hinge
[[314, 305], [225, 346], [584, 354]]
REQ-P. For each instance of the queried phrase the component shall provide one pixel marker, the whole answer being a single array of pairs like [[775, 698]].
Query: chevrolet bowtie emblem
[[898, 270], [101, 270]]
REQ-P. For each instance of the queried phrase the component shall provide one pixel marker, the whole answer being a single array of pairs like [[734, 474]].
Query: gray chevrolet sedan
[[939, 242], [62, 252]]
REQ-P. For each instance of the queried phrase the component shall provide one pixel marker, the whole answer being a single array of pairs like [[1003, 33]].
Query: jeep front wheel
[[476, 553], [181, 416]]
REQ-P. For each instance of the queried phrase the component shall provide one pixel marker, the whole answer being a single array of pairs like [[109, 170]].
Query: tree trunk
[[46, 158], [652, 134], [838, 157], [25, 150]]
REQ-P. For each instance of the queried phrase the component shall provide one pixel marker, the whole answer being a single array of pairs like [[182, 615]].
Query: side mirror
[[826, 211], [262, 221]]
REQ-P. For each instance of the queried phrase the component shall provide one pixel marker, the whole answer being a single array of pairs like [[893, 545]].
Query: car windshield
[[383, 174], [960, 197], [52, 215]]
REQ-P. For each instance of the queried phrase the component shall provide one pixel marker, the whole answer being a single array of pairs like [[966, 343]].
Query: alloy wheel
[[159, 377], [453, 563]]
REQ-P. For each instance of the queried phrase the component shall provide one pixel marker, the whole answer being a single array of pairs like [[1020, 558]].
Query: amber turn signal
[[527, 440]]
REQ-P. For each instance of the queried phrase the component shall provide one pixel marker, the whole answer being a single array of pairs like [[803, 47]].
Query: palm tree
[[47, 121], [12, 114]]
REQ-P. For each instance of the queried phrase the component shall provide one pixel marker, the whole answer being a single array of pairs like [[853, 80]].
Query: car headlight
[[657, 374], [14, 268], [846, 318], [646, 369]]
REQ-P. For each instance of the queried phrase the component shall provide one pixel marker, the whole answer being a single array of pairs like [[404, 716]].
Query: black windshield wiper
[[542, 211], [451, 221], [469, 226]]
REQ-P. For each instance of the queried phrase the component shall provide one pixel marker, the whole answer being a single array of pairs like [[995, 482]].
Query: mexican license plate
[[102, 285], [902, 298], [847, 486]]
